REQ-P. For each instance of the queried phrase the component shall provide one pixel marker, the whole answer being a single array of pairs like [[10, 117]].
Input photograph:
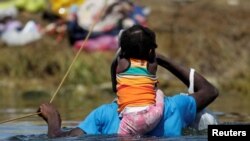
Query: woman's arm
[[53, 119], [204, 92]]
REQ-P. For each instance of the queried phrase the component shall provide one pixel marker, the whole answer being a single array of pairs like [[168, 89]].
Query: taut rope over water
[[73, 61]]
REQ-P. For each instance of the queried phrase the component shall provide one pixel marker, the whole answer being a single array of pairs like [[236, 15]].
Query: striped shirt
[[136, 85]]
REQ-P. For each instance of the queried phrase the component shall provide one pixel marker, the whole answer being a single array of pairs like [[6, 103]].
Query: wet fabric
[[179, 112], [143, 121]]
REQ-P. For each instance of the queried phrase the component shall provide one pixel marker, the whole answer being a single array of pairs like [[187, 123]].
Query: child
[[134, 80]]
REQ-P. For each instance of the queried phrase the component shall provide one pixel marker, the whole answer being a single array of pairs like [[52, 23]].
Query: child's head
[[138, 42]]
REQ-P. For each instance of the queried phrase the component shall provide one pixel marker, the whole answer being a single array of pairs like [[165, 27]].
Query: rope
[[67, 72], [79, 51], [29, 115]]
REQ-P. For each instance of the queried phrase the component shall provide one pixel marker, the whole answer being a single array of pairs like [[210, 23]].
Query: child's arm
[[113, 70]]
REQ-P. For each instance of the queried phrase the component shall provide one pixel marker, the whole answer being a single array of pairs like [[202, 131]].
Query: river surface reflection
[[74, 108]]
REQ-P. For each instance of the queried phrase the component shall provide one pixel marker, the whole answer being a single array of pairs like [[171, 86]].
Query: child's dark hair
[[138, 42]]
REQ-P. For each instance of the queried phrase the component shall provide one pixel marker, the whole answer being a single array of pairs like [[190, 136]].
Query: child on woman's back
[[140, 104]]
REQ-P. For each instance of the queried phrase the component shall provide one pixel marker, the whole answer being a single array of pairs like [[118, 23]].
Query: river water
[[73, 109]]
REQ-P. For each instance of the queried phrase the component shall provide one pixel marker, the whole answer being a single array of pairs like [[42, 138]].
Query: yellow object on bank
[[62, 7]]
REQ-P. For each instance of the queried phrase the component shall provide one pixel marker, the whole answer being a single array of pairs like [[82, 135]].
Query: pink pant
[[139, 123]]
